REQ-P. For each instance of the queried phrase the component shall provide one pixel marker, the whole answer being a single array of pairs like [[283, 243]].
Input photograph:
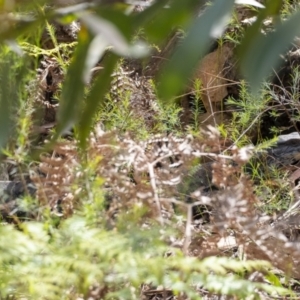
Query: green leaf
[[12, 74], [73, 88], [95, 98], [149, 13], [118, 19], [179, 69], [272, 9], [7, 98], [108, 31], [249, 2], [274, 279], [72, 9], [262, 54], [159, 20], [19, 27]]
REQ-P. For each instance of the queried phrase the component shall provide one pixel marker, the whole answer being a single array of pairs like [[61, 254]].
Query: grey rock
[[285, 152], [286, 137], [11, 193]]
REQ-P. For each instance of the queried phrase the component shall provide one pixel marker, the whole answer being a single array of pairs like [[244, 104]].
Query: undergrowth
[[112, 221]]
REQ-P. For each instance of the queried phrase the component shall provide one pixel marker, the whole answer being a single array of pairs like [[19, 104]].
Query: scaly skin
[[284, 153]]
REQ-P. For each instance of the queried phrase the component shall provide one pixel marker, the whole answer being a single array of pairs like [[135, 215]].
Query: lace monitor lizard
[[284, 153]]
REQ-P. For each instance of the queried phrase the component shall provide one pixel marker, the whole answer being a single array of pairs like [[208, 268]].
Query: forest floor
[[204, 176]]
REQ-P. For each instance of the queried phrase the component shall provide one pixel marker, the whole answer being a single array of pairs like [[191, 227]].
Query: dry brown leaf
[[210, 72]]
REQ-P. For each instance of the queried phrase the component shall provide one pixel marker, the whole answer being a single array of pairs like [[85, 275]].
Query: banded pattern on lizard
[[168, 155], [138, 88], [130, 84]]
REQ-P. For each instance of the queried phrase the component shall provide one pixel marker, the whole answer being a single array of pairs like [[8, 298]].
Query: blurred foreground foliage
[[71, 261], [110, 24]]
